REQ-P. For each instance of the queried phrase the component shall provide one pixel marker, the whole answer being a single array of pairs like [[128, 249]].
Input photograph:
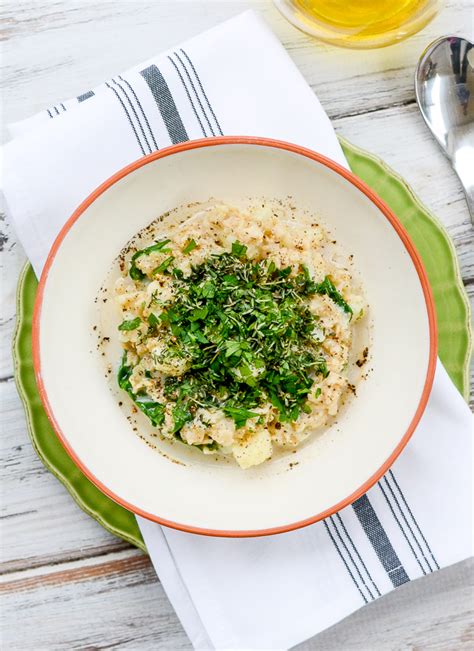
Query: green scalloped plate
[[454, 336]]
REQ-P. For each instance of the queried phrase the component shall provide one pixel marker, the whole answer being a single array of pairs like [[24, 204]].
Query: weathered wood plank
[[39, 521], [117, 602], [94, 604]]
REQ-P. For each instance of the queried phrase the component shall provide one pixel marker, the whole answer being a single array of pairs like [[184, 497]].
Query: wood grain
[[83, 588]]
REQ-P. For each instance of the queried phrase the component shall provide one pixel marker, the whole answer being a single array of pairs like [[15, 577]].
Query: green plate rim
[[28, 393], [20, 366], [350, 148]]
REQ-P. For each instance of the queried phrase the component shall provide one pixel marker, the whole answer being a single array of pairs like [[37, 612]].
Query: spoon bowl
[[444, 86]]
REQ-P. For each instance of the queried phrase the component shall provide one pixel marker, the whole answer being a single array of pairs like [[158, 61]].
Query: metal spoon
[[444, 86]]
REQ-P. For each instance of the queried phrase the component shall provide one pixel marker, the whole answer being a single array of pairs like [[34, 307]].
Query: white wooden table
[[67, 583]]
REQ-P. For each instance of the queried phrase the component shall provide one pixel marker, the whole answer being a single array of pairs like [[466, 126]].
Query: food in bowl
[[116, 446], [237, 329]]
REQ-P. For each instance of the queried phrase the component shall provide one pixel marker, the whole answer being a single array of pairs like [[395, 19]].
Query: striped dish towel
[[272, 592]]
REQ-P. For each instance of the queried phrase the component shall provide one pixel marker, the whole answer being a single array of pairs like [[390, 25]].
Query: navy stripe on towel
[[361, 581], [345, 562], [390, 506], [141, 109], [127, 115], [189, 96], [378, 538], [165, 102], [190, 80], [137, 119], [203, 91], [341, 522], [84, 96], [392, 476]]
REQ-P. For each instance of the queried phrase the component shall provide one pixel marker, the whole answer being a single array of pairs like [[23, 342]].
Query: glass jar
[[359, 24]]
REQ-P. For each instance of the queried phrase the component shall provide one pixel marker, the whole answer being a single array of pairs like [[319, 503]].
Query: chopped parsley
[[246, 333]]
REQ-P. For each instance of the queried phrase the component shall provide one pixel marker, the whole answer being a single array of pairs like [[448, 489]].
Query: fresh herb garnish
[[327, 287], [190, 246], [163, 266], [133, 324], [154, 410], [135, 273], [247, 334], [239, 249], [240, 415]]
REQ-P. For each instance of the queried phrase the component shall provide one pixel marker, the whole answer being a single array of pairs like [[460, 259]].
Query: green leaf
[[163, 266], [132, 324], [284, 273], [154, 410], [240, 415], [199, 336], [181, 416], [190, 246], [247, 334], [135, 273], [124, 373], [153, 321], [328, 288], [238, 249], [246, 374], [199, 313], [233, 348], [231, 279], [154, 248], [208, 290]]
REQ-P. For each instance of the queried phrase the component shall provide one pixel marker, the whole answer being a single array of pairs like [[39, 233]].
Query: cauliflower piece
[[251, 451], [209, 425], [167, 362]]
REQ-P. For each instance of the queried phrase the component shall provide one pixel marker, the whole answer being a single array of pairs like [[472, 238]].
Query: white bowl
[[200, 494]]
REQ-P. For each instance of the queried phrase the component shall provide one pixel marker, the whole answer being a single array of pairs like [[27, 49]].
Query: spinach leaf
[[154, 410], [130, 325]]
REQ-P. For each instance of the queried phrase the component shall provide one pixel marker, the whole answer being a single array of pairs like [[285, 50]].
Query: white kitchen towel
[[272, 592]]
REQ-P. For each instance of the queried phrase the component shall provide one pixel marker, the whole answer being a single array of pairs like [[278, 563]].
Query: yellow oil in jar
[[364, 23]]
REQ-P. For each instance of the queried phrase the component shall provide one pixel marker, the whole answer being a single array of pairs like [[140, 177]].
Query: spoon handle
[[465, 171]]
